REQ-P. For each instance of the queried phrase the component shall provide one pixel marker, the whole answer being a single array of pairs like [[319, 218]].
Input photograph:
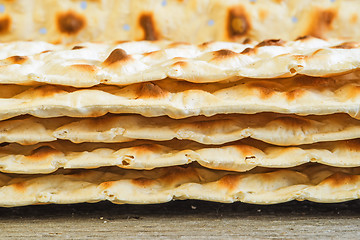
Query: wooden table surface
[[183, 220]]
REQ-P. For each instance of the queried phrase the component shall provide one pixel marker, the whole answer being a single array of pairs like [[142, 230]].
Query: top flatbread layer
[[192, 21], [90, 64]]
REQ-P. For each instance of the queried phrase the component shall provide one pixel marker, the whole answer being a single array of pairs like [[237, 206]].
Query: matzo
[[239, 156], [262, 186], [90, 64], [300, 95], [279, 129]]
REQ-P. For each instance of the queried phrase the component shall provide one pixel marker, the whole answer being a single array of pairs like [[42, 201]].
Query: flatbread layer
[[238, 156], [278, 129], [90, 64], [262, 186], [300, 95]]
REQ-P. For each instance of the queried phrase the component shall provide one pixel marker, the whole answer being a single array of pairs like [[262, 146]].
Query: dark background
[[183, 219]]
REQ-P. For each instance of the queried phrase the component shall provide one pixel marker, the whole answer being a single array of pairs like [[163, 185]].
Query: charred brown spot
[[246, 149], [351, 92], [316, 82], [121, 41], [340, 179], [180, 64], [266, 89], [147, 24], [19, 186], [292, 70], [322, 22], [77, 47], [263, 14], [211, 124], [48, 91], [230, 182], [271, 42], [16, 59], [153, 54], [146, 149], [176, 44], [117, 55], [178, 175], [125, 162], [143, 182], [303, 37], [249, 51], [223, 53], [292, 122], [5, 23], [246, 41], [294, 94], [150, 90], [42, 153], [300, 57], [179, 59], [348, 45], [106, 185], [238, 22], [101, 122], [85, 67], [70, 22], [353, 144], [317, 51], [327, 17], [354, 18], [46, 51], [205, 44]]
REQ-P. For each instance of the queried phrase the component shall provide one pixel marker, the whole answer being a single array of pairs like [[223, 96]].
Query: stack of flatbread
[[151, 121]]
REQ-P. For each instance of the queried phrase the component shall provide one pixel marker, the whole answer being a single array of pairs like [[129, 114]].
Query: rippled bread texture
[[187, 20], [261, 186], [300, 95], [238, 156], [279, 129], [123, 63]]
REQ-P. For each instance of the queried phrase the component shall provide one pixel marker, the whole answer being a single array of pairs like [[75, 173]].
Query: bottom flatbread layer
[[313, 182]]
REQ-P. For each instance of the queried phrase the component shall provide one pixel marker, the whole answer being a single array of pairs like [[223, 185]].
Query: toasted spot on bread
[[117, 55], [70, 22]]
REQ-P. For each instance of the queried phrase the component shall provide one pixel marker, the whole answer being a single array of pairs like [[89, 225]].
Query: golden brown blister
[[261, 186], [237, 156]]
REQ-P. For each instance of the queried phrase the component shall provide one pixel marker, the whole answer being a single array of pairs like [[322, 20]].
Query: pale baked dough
[[261, 186], [300, 95], [278, 129], [238, 156], [90, 64]]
